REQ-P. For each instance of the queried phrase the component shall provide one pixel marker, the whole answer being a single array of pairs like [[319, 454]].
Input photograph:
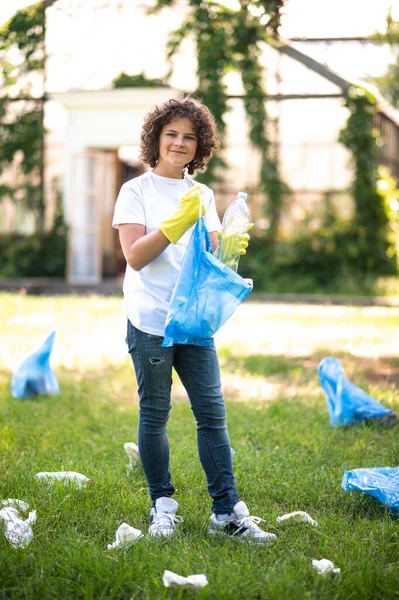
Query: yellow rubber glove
[[186, 215], [230, 244]]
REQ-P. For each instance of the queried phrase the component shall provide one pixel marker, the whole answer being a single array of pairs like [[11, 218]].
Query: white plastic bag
[[171, 579], [125, 535], [17, 530]]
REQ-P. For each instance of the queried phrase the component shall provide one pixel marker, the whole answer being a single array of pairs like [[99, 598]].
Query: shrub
[[38, 255]]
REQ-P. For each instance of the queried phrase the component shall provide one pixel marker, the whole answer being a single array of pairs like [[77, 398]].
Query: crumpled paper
[[194, 581], [65, 476], [125, 535], [14, 503], [17, 531], [299, 516], [326, 567], [132, 450]]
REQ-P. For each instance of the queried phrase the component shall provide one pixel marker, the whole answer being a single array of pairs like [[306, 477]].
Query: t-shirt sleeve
[[129, 206], [211, 218]]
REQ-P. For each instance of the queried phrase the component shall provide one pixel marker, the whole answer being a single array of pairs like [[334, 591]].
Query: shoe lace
[[251, 523], [166, 520]]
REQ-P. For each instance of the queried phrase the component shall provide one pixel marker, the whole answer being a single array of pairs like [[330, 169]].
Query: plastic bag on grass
[[17, 530], [380, 482], [171, 579], [125, 536], [347, 403], [206, 294], [35, 376]]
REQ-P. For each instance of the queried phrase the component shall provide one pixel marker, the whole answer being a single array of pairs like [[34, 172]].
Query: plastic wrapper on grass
[[347, 403], [171, 579], [380, 482], [326, 567], [125, 536], [299, 516], [34, 376], [17, 530], [132, 451]]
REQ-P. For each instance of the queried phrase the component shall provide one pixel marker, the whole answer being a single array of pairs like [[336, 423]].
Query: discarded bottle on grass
[[64, 477], [235, 223]]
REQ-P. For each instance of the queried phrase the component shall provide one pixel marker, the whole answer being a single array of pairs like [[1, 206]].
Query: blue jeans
[[198, 369]]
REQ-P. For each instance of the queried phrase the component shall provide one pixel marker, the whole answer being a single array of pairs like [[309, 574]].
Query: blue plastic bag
[[35, 376], [348, 404], [380, 482], [206, 294]]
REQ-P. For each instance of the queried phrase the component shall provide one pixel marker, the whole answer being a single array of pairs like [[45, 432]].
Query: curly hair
[[202, 120]]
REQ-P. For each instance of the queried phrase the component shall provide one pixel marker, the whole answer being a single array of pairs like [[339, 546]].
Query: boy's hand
[[186, 215], [233, 243]]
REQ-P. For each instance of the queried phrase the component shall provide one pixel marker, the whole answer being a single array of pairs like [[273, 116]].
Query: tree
[[388, 84], [22, 53]]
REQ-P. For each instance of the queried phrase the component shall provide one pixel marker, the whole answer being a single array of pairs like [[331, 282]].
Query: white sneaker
[[163, 517], [240, 525]]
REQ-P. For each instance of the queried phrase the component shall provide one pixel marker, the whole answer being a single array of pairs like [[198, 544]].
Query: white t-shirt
[[149, 200]]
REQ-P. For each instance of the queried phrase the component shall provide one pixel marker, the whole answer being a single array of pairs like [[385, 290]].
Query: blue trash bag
[[380, 482], [35, 376], [348, 404], [206, 294]]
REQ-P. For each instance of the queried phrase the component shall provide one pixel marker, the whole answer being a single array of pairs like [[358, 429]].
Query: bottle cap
[[242, 195]]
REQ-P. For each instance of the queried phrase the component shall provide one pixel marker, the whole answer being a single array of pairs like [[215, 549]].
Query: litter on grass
[[34, 375], [299, 516], [14, 503], [326, 567], [125, 535], [65, 477], [347, 403], [17, 530], [132, 450], [193, 581], [380, 482]]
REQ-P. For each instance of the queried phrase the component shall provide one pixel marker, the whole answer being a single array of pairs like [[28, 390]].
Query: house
[[93, 141]]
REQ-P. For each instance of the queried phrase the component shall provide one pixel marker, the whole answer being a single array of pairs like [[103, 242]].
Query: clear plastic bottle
[[65, 476], [235, 222]]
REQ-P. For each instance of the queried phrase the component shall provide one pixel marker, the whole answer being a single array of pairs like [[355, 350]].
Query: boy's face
[[177, 144]]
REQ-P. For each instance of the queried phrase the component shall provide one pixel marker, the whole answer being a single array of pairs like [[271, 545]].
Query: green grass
[[288, 457]]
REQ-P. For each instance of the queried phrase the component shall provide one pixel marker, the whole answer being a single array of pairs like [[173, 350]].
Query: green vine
[[371, 223], [230, 39], [21, 114], [124, 80]]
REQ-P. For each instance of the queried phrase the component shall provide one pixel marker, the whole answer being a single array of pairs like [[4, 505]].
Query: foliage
[[21, 114], [230, 38], [371, 222], [125, 80], [38, 255], [327, 259], [288, 457], [389, 82]]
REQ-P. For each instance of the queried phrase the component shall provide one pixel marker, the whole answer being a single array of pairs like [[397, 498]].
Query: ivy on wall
[[388, 83], [22, 52], [230, 39], [372, 221], [124, 80]]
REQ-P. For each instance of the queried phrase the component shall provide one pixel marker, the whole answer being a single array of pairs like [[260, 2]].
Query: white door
[[93, 195]]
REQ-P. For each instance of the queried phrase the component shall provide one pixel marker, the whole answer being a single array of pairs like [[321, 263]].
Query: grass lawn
[[288, 457]]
